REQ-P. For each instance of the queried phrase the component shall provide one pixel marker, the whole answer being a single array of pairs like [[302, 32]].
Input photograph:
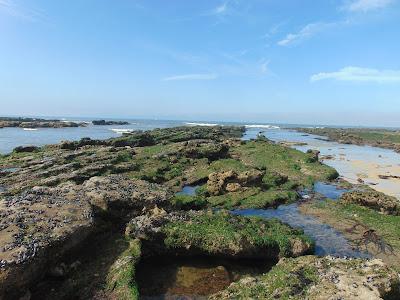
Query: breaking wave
[[121, 131], [262, 126], [200, 124]]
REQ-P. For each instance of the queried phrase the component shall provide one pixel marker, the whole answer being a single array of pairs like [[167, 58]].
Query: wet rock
[[374, 200]]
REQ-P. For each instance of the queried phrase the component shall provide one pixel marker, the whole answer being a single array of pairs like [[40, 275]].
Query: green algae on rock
[[121, 283], [217, 234], [311, 277]]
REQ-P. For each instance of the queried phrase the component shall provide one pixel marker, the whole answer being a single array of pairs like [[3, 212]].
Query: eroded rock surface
[[230, 181], [40, 225]]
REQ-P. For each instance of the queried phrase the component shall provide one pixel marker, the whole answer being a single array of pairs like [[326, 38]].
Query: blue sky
[[297, 61]]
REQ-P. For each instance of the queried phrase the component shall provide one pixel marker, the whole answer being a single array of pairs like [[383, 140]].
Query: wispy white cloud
[[12, 8], [273, 30], [366, 5], [264, 66], [360, 75], [221, 9], [306, 32], [191, 77]]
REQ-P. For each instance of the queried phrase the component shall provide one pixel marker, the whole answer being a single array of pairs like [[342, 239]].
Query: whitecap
[[200, 124], [262, 126], [29, 129], [122, 130]]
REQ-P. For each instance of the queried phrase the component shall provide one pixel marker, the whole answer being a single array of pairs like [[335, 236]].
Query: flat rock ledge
[[42, 224], [311, 277]]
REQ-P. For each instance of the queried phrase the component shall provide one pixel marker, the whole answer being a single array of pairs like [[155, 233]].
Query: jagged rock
[[374, 200]]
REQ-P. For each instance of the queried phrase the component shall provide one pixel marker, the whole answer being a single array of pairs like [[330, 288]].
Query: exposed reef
[[78, 217], [37, 123], [104, 122]]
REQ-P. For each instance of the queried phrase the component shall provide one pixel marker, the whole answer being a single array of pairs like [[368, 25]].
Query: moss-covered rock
[[217, 234]]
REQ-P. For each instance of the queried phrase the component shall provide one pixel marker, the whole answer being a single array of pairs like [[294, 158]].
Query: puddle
[[189, 190], [192, 277], [328, 241], [330, 191]]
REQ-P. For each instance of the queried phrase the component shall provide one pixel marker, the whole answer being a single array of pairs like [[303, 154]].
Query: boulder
[[229, 181]]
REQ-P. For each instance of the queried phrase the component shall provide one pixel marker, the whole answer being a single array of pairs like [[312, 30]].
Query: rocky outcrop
[[221, 182], [42, 224], [37, 227], [104, 122], [204, 149], [37, 123], [21, 149], [216, 234], [374, 200], [311, 277]]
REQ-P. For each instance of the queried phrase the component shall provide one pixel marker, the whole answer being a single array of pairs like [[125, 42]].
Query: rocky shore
[[389, 139], [77, 218], [37, 123]]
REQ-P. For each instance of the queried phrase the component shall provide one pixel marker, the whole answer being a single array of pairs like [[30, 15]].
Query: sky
[[280, 61]]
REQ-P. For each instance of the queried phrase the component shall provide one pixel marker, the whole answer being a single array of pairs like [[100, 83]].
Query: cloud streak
[[367, 5], [11, 8], [306, 32], [357, 74], [191, 77]]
